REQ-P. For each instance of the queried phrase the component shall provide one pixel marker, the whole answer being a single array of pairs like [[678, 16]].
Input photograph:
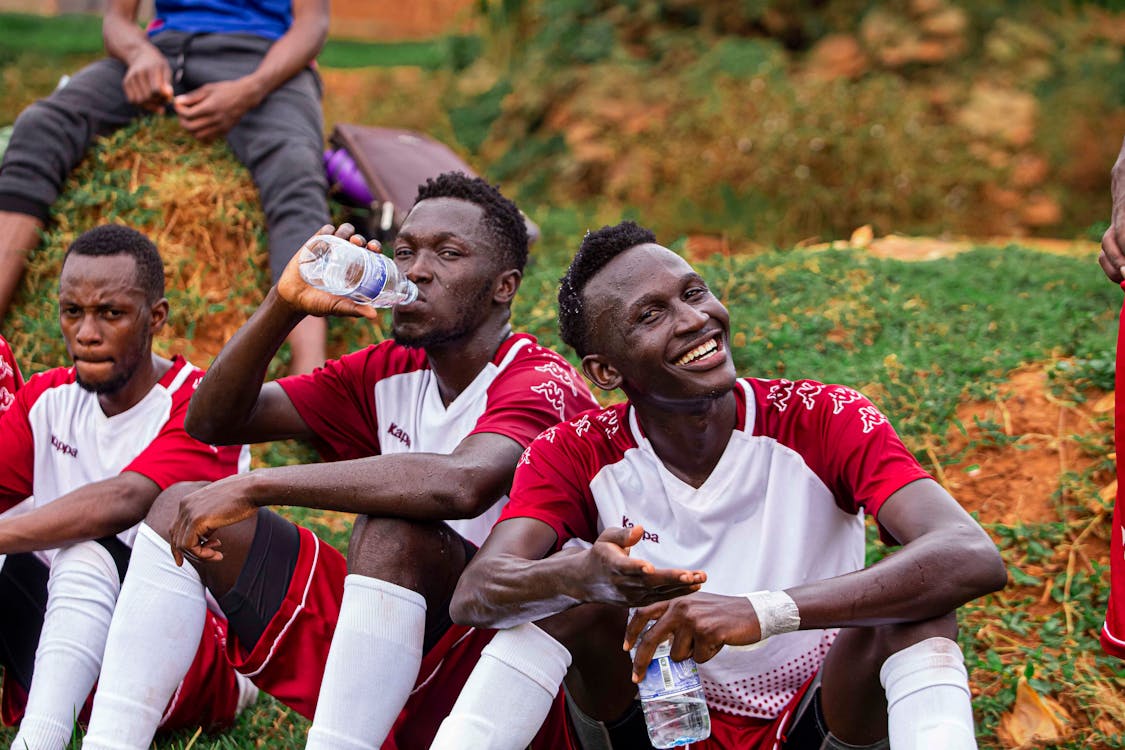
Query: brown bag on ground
[[393, 164]]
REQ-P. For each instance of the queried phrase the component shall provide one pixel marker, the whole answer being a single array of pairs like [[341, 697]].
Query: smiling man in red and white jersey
[[86, 451], [730, 511]]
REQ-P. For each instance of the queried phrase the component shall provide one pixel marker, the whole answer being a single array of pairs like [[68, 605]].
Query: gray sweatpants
[[280, 141]]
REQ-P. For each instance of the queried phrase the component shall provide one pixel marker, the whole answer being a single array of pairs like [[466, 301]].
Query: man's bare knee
[[427, 557], [167, 504]]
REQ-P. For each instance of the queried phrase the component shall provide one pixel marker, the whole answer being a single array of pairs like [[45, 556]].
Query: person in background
[[240, 71]]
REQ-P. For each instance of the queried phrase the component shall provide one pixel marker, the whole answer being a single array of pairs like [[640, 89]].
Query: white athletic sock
[[152, 643], [928, 700], [372, 665], [509, 693], [81, 593]]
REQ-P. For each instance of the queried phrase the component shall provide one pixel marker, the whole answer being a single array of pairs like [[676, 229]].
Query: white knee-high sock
[[928, 700], [509, 693], [372, 665], [81, 594], [152, 643]]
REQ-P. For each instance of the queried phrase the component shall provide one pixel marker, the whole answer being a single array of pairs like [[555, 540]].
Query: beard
[[468, 313], [114, 384], [119, 377]]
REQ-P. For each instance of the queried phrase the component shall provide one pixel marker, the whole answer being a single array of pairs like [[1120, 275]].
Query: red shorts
[[288, 660], [207, 697], [730, 732]]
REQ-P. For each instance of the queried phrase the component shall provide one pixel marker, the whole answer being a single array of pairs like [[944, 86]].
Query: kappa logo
[[646, 536], [779, 394], [6, 370], [63, 448], [554, 394], [395, 431], [609, 419], [6, 399], [808, 393], [871, 418], [560, 373], [842, 397]]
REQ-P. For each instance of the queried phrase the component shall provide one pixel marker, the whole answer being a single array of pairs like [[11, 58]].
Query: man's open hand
[[612, 576]]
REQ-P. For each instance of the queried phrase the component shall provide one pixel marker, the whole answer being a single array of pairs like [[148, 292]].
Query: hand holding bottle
[[304, 286]]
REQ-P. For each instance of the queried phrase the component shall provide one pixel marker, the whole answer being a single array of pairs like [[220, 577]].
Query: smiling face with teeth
[[656, 331]]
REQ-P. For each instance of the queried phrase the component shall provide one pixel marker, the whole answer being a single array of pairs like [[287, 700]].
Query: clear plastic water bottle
[[672, 699], [338, 267]]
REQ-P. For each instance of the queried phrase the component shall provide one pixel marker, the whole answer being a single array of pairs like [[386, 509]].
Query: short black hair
[[597, 249], [502, 219], [116, 239]]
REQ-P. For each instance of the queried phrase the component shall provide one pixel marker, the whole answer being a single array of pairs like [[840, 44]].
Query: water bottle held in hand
[[338, 267], [672, 699]]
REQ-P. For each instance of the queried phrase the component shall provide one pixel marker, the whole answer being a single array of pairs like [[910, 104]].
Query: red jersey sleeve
[[175, 456], [845, 439], [17, 458], [10, 377], [552, 481], [337, 402], [535, 391], [551, 486], [870, 462]]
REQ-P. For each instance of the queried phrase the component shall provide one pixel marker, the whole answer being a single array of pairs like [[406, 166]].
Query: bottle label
[[373, 281], [665, 678]]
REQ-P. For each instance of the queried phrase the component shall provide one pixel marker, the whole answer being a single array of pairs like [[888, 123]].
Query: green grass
[[921, 338], [72, 34], [81, 34]]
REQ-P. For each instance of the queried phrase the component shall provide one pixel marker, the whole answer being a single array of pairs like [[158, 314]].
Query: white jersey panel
[[76, 443], [749, 534], [413, 419]]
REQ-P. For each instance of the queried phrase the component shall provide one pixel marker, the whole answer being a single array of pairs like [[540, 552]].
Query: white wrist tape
[[777, 612]]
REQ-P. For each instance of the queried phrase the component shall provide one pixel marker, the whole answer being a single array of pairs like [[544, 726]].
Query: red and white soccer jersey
[[783, 506], [10, 377], [384, 399], [56, 439]]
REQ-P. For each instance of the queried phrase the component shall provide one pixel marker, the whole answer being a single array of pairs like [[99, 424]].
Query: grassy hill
[[994, 363]]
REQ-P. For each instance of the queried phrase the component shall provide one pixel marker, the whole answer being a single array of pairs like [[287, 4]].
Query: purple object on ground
[[342, 171]]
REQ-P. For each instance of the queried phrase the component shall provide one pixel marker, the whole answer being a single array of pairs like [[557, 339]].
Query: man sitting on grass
[[86, 450], [752, 490], [426, 430]]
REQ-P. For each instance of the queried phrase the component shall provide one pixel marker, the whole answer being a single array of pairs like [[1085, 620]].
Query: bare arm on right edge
[[509, 582]]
